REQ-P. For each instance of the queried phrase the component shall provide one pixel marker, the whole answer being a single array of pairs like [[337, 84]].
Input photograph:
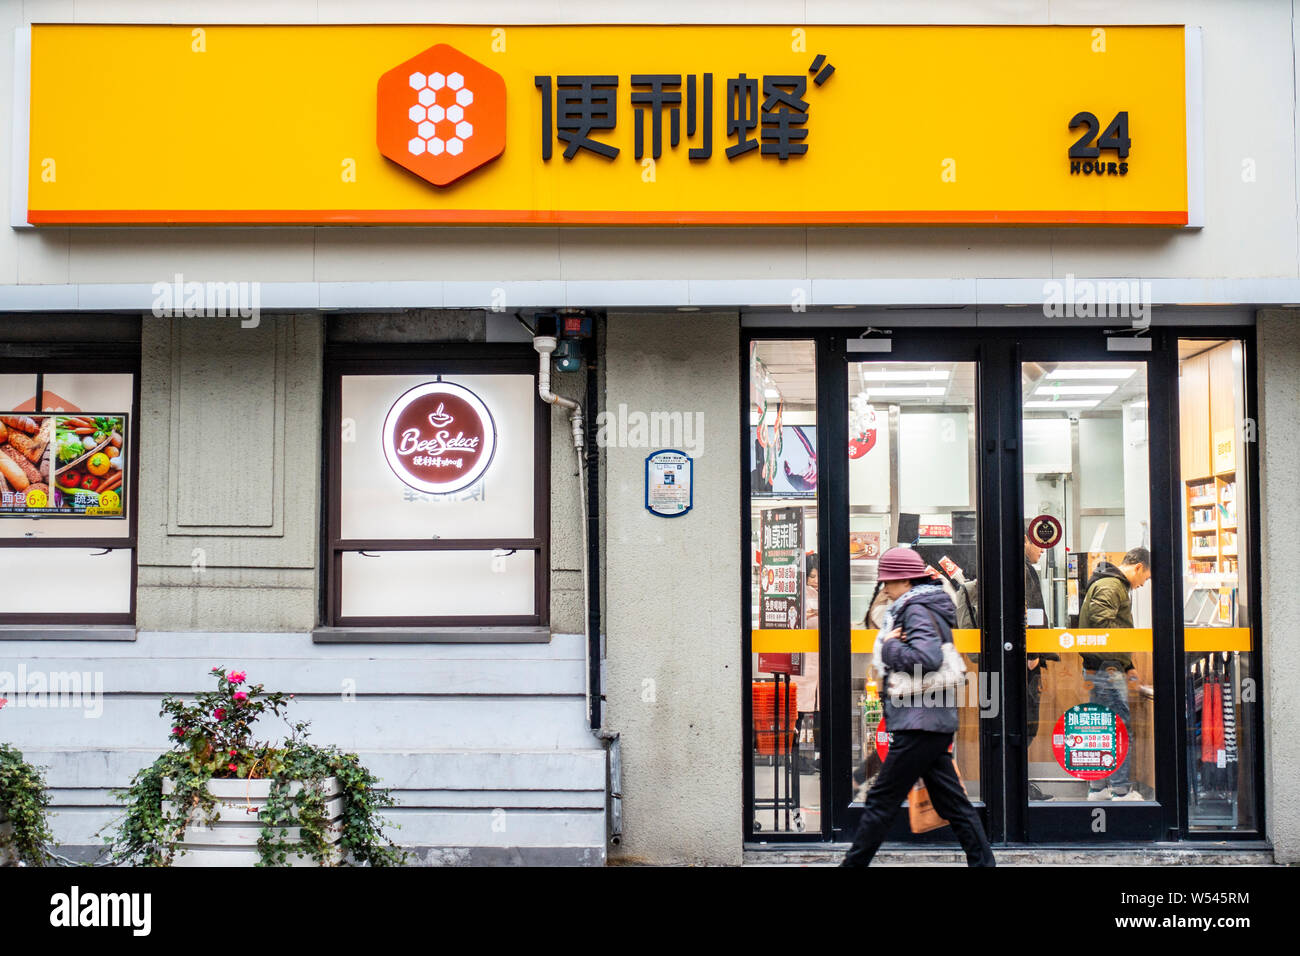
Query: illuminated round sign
[[439, 437], [1045, 531], [1090, 741]]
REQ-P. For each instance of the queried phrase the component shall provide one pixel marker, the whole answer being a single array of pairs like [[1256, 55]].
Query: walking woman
[[917, 625]]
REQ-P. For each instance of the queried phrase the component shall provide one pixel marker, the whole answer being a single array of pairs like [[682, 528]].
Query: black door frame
[[998, 354]]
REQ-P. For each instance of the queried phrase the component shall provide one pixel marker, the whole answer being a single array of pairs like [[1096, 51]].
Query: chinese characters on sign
[[62, 465], [781, 587], [768, 114], [1090, 741], [668, 480]]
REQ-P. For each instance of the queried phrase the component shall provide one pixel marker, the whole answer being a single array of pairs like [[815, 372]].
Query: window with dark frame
[[438, 488], [68, 489]]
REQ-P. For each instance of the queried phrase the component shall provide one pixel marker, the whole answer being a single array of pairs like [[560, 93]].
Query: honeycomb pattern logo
[[441, 114]]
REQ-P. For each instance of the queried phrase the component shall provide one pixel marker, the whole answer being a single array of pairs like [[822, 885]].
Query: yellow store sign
[[608, 124]]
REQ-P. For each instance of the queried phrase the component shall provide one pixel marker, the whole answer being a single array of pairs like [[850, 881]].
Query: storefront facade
[[903, 333]]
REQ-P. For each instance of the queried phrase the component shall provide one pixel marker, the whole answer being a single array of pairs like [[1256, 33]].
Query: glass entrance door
[[1036, 474], [913, 480], [1091, 753]]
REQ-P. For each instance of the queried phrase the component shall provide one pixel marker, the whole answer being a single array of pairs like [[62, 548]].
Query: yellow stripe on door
[[967, 640], [1198, 640], [804, 640], [1037, 640], [797, 640], [1046, 640]]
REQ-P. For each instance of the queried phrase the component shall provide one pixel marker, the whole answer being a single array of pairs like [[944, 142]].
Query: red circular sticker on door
[[439, 437], [1044, 531], [1090, 741], [883, 738]]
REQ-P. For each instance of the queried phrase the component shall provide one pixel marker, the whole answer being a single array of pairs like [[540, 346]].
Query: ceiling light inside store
[[1075, 389], [897, 376], [1119, 373], [1072, 403], [904, 391]]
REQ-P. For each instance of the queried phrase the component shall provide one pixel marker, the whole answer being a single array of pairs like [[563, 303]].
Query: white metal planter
[[231, 839]]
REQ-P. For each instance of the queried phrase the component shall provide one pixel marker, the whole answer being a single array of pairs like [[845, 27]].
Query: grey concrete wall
[[1279, 480], [673, 591], [229, 501]]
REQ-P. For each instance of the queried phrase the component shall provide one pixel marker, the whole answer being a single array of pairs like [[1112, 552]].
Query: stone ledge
[[431, 635], [51, 632]]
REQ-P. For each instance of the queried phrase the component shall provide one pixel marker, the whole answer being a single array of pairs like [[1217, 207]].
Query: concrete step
[[1152, 854]]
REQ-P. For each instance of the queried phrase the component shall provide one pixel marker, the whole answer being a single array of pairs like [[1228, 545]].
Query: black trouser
[[1035, 687], [913, 755]]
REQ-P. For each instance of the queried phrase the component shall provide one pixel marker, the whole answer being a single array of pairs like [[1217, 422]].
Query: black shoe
[[1038, 795]]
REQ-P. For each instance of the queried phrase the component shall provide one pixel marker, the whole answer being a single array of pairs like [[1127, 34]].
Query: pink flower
[[240, 695], [231, 767], [179, 731], [219, 713], [3, 701], [232, 751], [237, 677]]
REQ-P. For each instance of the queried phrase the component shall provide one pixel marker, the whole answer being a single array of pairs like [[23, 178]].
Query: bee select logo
[[439, 437]]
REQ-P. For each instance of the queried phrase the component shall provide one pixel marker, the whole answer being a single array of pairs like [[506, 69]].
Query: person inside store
[[1107, 604], [808, 682], [873, 620], [1037, 663], [916, 626]]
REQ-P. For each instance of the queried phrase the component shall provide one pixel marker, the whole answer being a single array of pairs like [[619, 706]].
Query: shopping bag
[[921, 813]]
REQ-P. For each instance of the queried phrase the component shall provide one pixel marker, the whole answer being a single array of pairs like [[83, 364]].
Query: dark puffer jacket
[[921, 644], [1106, 604]]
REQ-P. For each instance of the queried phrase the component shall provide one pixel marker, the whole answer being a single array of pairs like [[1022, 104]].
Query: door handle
[[1007, 646]]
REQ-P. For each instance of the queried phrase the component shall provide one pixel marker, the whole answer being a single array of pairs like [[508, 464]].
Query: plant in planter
[[219, 797], [24, 830]]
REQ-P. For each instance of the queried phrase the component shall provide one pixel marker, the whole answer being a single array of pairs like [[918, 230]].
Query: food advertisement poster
[[781, 586], [62, 465], [864, 545], [1090, 741]]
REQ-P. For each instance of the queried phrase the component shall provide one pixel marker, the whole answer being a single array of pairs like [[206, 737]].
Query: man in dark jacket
[[1107, 605], [1037, 663]]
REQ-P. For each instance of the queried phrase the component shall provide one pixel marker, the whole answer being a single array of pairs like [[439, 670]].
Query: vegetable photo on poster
[[61, 465]]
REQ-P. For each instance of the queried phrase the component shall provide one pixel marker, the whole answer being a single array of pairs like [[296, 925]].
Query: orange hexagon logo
[[442, 114]]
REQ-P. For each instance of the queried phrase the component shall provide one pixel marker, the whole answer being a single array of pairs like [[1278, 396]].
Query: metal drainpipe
[[544, 346]]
